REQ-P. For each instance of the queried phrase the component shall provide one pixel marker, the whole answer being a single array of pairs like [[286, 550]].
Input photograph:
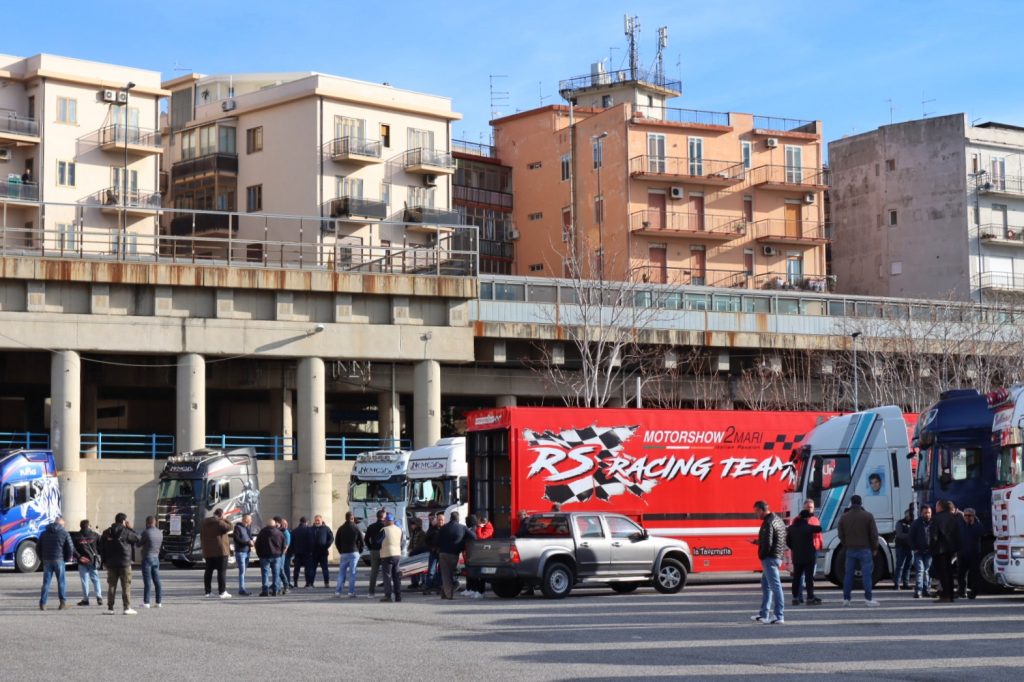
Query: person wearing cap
[[390, 553], [55, 550], [858, 534], [349, 543]]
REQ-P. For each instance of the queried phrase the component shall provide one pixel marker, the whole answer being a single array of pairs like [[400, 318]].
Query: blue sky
[[840, 62]]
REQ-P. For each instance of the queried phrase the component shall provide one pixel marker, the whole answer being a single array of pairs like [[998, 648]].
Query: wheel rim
[[988, 569], [559, 581], [669, 576], [29, 556]]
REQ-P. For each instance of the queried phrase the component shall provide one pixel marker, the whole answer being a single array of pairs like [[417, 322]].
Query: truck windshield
[[1008, 466], [957, 463], [177, 488], [434, 493], [392, 490], [800, 458]]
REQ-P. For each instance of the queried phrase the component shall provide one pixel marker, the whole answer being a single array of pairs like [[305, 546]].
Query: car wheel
[[557, 581], [625, 588], [26, 558], [671, 576], [507, 589]]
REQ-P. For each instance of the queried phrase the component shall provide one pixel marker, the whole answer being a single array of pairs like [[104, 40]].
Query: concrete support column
[[389, 417], [190, 415], [505, 401], [89, 400], [65, 431], [312, 485], [281, 412], [426, 403]]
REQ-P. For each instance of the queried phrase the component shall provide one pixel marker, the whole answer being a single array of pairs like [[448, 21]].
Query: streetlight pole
[[856, 372], [598, 141], [124, 179]]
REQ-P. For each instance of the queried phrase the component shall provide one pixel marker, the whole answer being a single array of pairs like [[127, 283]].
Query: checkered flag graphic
[[784, 443], [608, 443]]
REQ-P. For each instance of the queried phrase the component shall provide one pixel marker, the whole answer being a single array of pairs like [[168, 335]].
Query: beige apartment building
[[370, 163], [79, 155], [662, 194]]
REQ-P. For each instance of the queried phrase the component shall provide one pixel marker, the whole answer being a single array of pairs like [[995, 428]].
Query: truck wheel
[[557, 581], [671, 576], [26, 558], [507, 589], [625, 588]]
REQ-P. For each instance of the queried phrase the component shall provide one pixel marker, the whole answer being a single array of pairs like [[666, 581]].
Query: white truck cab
[[379, 481], [438, 480]]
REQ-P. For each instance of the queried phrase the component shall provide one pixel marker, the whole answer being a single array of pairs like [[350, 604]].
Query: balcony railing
[[218, 162], [711, 224], [690, 276], [136, 198], [683, 116], [711, 170], [433, 158], [18, 191], [491, 248], [786, 281], [1000, 232], [482, 196], [785, 230], [345, 147], [118, 136], [791, 177], [345, 207], [606, 78], [784, 125], [1002, 184], [19, 125], [425, 214], [203, 223], [1004, 281], [474, 148]]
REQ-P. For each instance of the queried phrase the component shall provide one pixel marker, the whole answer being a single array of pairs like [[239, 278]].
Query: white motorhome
[[866, 454], [439, 479], [379, 481]]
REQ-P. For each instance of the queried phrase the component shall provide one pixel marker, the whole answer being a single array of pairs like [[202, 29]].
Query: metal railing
[[684, 116], [429, 215], [428, 157], [1002, 184], [785, 125], [653, 219], [266, 447], [799, 176], [344, 207], [128, 445], [487, 197], [136, 198], [713, 169], [677, 276], [782, 228], [348, 447], [19, 125], [133, 135], [491, 248], [1001, 231], [1006, 281], [217, 162], [195, 223], [474, 148], [19, 191], [619, 76], [785, 281], [10, 440], [360, 146]]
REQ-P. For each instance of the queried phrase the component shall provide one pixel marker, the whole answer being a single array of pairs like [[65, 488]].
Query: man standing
[[968, 561], [349, 543], [152, 538], [800, 538], [373, 540], [118, 544], [301, 552], [433, 528], [214, 538], [904, 552], [390, 554], [282, 523], [920, 534], [451, 542], [270, 548], [55, 550], [86, 542], [859, 535], [321, 539], [242, 538], [771, 548], [417, 545], [944, 537]]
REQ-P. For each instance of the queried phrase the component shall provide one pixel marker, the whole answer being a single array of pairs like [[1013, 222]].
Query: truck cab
[[868, 454], [29, 501], [192, 485], [1008, 491], [438, 480], [380, 481]]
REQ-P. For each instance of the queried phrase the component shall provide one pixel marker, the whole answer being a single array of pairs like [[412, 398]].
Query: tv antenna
[[179, 67], [632, 28], [659, 63], [924, 105], [499, 98], [892, 110], [540, 93]]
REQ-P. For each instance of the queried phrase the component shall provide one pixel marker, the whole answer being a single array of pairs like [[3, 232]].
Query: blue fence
[[266, 447], [128, 445], [12, 440], [345, 447]]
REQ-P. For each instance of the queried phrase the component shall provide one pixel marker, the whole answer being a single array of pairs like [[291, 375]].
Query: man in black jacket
[[800, 539], [374, 536], [451, 542], [242, 538], [904, 552], [270, 548], [55, 550], [771, 548], [117, 545], [87, 550], [944, 536], [301, 551], [320, 539], [433, 572], [920, 531], [349, 543]]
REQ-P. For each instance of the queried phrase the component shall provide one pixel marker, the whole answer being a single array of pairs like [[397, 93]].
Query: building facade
[[619, 185], [482, 196], [930, 208], [79, 155]]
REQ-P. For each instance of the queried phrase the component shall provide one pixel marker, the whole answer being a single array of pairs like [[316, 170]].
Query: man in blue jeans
[[55, 550], [920, 531], [859, 536], [150, 542], [242, 538], [771, 548]]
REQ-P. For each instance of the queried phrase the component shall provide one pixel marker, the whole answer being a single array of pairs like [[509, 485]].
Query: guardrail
[[1002, 184], [10, 440], [786, 125], [19, 125], [128, 445], [653, 219], [798, 176], [266, 447], [422, 156], [714, 169], [643, 112], [783, 229], [360, 146], [619, 76], [474, 148], [346, 447], [121, 135], [19, 191], [136, 198]]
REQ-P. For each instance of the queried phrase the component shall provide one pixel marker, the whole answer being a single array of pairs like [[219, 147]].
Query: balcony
[[354, 150], [785, 127], [484, 197], [19, 130], [139, 202], [490, 248], [137, 141], [998, 234], [693, 171], [783, 281], [607, 79], [706, 226], [428, 162], [1005, 282], [18, 192], [1002, 186], [791, 178], [431, 220], [218, 162], [209, 224], [691, 276], [794, 232], [350, 207], [686, 118], [474, 149]]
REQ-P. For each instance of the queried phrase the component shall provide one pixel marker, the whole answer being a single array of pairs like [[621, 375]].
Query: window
[[535, 165], [890, 165], [999, 174], [893, 217], [188, 145], [695, 150], [896, 267], [67, 236], [254, 198], [566, 224], [598, 150], [385, 134], [655, 153], [745, 154], [67, 110], [827, 473], [15, 494], [748, 208], [420, 139], [66, 173], [348, 187], [385, 193], [566, 168], [352, 128], [537, 267], [958, 464], [621, 528], [748, 262], [589, 527], [1009, 465], [117, 181], [606, 101], [546, 526], [794, 164], [207, 140], [32, 106], [975, 163], [216, 492], [421, 197], [536, 216], [254, 140]]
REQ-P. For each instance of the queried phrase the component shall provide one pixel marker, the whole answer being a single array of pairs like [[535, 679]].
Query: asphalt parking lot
[[702, 633]]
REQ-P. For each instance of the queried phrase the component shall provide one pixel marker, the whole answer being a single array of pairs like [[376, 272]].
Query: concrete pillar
[[65, 431], [426, 403], [505, 401], [190, 416], [312, 485], [389, 417], [281, 414], [89, 400]]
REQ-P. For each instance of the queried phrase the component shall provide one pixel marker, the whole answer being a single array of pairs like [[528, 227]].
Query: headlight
[[1017, 553]]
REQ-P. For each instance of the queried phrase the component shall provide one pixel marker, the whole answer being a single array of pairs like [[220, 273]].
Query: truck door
[[631, 553], [593, 547], [875, 486]]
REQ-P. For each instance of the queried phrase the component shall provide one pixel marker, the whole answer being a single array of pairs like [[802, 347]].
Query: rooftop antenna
[[632, 27], [540, 93], [659, 63], [499, 98], [892, 110], [179, 67], [924, 104]]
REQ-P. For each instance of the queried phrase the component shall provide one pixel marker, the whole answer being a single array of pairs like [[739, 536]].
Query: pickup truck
[[559, 550]]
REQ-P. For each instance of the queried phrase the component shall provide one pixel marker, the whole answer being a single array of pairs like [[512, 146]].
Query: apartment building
[[373, 162], [482, 196], [79, 155], [930, 208], [619, 184]]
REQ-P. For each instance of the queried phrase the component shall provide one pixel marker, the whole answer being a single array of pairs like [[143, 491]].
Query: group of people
[[930, 543]]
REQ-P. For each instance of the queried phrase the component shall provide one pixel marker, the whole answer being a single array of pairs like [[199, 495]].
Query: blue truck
[[29, 501]]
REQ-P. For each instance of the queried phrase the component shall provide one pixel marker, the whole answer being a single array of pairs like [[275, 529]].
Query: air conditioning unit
[[227, 105], [430, 180], [678, 193], [769, 251], [108, 95], [809, 198], [513, 234], [772, 142], [122, 97], [5, 154]]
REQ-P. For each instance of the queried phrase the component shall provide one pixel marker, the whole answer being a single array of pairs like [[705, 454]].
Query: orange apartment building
[[617, 183]]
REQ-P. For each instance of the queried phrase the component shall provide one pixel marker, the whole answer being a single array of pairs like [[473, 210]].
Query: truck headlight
[[1017, 553]]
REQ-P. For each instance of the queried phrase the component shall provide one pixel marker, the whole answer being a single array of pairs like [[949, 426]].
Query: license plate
[[488, 570]]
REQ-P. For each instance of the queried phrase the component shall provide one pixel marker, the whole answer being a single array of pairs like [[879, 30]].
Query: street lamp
[[124, 177], [599, 154], [856, 391]]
